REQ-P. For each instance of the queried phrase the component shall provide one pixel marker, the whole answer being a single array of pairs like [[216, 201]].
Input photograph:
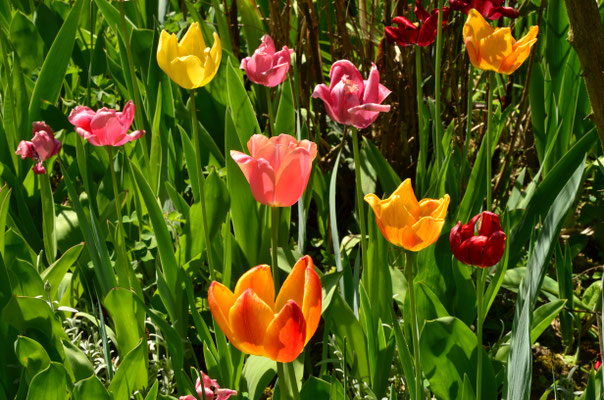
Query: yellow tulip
[[407, 223], [189, 63], [494, 48]]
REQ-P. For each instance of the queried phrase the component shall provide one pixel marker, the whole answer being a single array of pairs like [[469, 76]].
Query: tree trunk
[[586, 35]]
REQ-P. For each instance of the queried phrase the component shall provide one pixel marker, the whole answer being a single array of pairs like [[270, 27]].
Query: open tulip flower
[[41, 148], [210, 390], [482, 250], [495, 49], [349, 99], [257, 323], [277, 169], [423, 34], [491, 9], [105, 127], [267, 67], [407, 223], [189, 62]]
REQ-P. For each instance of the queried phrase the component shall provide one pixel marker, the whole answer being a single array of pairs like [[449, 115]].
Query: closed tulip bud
[[407, 223], [277, 169], [483, 249], [267, 67], [189, 62], [257, 323], [349, 99], [494, 48]]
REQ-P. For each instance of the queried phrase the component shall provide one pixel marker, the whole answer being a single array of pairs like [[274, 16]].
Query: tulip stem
[[438, 128], [469, 112], [479, 321], [201, 183], [120, 251], [271, 118], [275, 238], [293, 385], [488, 138], [359, 194], [423, 138], [419, 383]]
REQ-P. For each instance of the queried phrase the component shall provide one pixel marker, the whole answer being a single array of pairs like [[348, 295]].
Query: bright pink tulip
[[349, 99], [278, 168], [211, 389], [265, 67], [105, 127], [42, 147]]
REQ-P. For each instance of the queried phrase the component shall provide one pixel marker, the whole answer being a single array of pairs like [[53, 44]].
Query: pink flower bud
[[42, 147], [267, 67]]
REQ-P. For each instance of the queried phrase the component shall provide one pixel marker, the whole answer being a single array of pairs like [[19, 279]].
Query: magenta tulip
[[210, 390], [105, 127], [267, 67], [423, 34], [349, 99], [42, 146], [277, 169]]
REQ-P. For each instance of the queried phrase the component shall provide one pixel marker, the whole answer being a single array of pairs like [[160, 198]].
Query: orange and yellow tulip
[[407, 223], [494, 48], [257, 323]]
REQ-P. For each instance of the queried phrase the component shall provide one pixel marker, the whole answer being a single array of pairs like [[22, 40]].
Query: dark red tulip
[[422, 34], [491, 9], [482, 250]]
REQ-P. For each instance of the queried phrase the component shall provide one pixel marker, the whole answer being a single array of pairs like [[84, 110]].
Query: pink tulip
[[278, 168], [349, 99], [265, 67], [42, 147], [105, 127], [211, 389]]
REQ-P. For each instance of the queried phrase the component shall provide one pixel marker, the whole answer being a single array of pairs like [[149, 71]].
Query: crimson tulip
[[423, 34], [482, 250], [491, 9]]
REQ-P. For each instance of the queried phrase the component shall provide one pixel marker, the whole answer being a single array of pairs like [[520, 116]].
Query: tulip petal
[[322, 92], [81, 117], [422, 234], [285, 336], [167, 50], [130, 137], [260, 280], [407, 197], [520, 53], [259, 175], [192, 43], [127, 115], [494, 48], [25, 149], [480, 28], [344, 67], [221, 299], [292, 177], [186, 71], [249, 317], [106, 127]]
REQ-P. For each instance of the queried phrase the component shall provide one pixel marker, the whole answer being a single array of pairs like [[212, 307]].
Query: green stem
[[438, 122], [274, 245], [88, 85], [201, 183], [283, 386], [293, 385], [359, 194], [488, 139], [121, 256], [419, 391], [469, 112], [423, 139], [479, 322], [271, 117], [138, 116]]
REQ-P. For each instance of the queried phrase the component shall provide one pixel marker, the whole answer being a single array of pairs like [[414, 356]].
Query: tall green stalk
[[438, 129], [275, 246], [201, 184], [419, 383], [269, 109], [469, 112], [293, 385], [488, 139], [359, 195], [479, 321], [138, 116], [423, 138]]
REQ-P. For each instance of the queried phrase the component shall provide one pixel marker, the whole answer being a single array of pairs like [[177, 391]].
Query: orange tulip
[[257, 323], [496, 49], [407, 223]]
